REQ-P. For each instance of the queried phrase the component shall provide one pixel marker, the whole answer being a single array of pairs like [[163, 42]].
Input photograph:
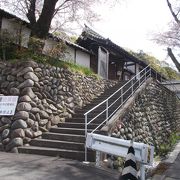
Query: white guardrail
[[119, 147]]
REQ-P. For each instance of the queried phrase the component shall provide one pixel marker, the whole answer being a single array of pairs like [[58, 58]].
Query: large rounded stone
[[23, 106], [35, 126], [6, 141], [43, 122], [26, 83], [14, 143], [21, 115], [29, 63], [24, 71], [5, 120], [28, 91], [4, 127], [10, 78], [55, 120], [35, 110], [14, 91], [37, 134], [43, 114], [52, 107], [17, 133], [32, 76], [70, 99], [19, 124], [5, 133], [28, 133], [30, 122], [25, 98]]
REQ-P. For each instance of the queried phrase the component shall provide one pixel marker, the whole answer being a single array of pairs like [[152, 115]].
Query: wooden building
[[109, 60]]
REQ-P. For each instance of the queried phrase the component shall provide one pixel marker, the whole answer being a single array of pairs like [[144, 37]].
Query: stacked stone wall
[[47, 95], [153, 117]]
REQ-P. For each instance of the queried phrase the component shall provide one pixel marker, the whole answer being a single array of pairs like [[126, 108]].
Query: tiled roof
[[6, 14], [91, 34], [69, 43]]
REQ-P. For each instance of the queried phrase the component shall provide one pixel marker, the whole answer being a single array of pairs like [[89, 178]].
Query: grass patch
[[44, 59], [164, 149]]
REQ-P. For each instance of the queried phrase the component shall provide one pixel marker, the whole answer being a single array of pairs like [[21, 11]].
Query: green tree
[[167, 71]]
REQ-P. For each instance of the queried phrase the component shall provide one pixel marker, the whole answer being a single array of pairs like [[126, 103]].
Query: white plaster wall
[[83, 58], [137, 70], [70, 54], [132, 68], [49, 45], [13, 27]]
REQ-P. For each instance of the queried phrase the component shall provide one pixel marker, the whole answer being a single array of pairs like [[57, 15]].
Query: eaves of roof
[[8, 15], [69, 43]]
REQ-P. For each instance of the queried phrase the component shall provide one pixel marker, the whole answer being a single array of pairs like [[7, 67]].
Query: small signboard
[[8, 105]]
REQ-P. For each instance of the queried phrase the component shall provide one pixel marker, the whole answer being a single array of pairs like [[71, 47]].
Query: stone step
[[70, 131], [64, 137], [57, 144], [77, 125], [82, 120], [63, 153], [103, 106]]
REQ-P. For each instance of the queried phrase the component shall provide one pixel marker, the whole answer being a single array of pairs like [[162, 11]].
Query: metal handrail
[[140, 77], [115, 92]]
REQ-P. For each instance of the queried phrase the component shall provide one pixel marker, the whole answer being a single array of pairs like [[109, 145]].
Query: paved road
[[34, 167], [173, 172]]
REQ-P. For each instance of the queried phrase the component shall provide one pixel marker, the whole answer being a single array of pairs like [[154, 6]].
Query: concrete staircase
[[67, 140]]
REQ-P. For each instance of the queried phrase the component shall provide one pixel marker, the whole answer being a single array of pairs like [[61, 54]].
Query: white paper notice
[[8, 105]]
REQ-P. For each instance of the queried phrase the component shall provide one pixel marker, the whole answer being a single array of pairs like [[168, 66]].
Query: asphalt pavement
[[35, 167]]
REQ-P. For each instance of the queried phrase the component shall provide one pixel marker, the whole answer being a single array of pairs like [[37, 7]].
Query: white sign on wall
[[8, 105]]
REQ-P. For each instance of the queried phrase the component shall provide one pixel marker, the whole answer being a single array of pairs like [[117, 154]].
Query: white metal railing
[[115, 101]]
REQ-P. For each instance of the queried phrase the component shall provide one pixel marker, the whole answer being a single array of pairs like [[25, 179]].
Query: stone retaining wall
[[47, 95], [152, 117]]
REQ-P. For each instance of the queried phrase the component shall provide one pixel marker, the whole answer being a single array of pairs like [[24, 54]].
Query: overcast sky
[[132, 24]]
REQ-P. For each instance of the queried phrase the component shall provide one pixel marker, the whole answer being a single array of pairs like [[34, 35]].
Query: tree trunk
[[41, 28], [173, 58]]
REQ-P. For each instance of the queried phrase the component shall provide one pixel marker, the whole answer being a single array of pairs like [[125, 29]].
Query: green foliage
[[35, 45], [7, 47], [58, 50], [73, 38], [34, 51], [24, 54], [73, 67], [164, 149], [167, 72]]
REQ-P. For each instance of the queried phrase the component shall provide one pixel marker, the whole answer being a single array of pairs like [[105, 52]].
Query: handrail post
[[85, 137], [156, 76], [132, 86], [121, 95], [145, 73], [107, 108]]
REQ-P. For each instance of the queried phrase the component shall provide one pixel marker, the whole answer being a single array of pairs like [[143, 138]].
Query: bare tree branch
[[172, 12], [173, 58]]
